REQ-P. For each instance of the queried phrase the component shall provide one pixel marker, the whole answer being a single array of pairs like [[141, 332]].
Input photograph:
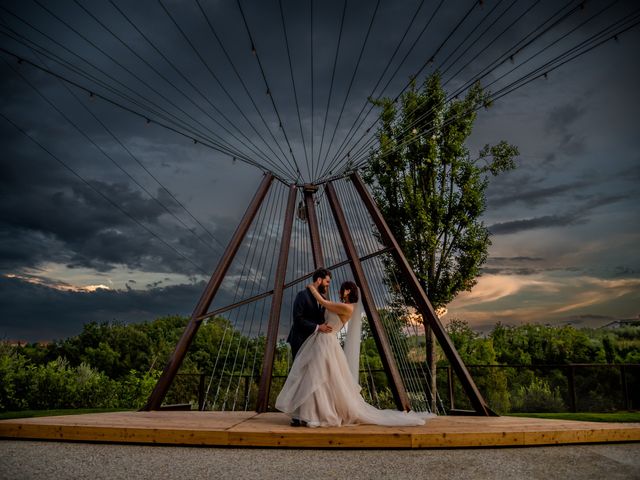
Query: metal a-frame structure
[[391, 246]]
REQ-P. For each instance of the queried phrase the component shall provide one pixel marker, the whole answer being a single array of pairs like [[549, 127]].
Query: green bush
[[537, 397], [135, 388], [58, 385], [15, 384]]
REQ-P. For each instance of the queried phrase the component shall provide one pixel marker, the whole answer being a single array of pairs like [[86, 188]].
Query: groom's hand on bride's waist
[[324, 328]]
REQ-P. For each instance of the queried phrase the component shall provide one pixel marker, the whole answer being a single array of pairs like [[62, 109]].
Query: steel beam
[[276, 305], [166, 379], [422, 301], [316, 247], [384, 348]]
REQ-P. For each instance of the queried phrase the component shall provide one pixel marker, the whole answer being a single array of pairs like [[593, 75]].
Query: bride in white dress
[[321, 389]]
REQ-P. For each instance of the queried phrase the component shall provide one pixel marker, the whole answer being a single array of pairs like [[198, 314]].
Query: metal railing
[[627, 396], [570, 372]]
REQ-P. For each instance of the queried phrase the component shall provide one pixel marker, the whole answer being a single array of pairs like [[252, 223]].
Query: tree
[[432, 192], [476, 350]]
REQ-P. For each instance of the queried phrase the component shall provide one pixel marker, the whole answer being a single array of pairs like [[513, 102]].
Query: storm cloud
[[39, 312], [576, 131]]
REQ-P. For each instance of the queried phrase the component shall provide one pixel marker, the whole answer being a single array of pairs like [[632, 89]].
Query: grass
[[54, 413], [585, 417]]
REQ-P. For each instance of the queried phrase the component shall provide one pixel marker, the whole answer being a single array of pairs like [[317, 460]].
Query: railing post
[[452, 403], [571, 379], [247, 381], [625, 387], [201, 393], [372, 388], [431, 365]]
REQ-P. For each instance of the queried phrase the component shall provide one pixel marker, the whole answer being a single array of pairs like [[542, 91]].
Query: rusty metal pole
[[423, 303], [276, 305], [314, 233], [380, 336], [164, 382]]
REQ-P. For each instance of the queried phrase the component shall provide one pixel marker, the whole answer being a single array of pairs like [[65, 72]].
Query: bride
[[322, 387]]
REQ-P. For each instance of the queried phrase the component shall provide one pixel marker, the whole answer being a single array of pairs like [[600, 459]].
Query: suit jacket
[[307, 315]]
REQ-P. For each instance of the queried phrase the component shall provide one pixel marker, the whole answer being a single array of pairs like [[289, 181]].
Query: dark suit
[[307, 315]]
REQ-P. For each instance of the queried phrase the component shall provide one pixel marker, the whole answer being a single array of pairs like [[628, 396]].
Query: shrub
[[537, 397], [56, 384], [15, 383], [134, 389]]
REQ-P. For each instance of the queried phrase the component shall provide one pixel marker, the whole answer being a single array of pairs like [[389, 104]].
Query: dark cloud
[[632, 173], [519, 265], [625, 271], [69, 223], [579, 215], [35, 309], [38, 312], [48, 216], [559, 123], [561, 117], [546, 221], [549, 159], [515, 259], [510, 271], [539, 195]]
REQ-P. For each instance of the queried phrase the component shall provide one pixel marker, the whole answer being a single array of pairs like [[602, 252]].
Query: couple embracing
[[322, 388]]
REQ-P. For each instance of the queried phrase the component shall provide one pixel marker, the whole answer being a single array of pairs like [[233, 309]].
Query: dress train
[[321, 390]]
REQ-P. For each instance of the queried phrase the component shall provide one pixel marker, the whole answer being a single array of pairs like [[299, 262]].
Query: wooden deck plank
[[273, 430]]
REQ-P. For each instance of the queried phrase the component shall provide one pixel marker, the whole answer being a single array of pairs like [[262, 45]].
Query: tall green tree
[[429, 187], [432, 190]]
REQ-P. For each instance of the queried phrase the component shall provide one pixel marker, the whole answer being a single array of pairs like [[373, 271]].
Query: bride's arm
[[342, 309]]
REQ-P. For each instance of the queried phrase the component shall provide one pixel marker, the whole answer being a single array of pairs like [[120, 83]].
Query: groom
[[308, 316]]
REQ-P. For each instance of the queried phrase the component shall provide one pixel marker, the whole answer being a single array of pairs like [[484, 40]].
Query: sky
[[93, 185]]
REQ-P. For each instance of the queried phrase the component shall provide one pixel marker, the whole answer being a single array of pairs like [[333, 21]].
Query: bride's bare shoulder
[[346, 315]]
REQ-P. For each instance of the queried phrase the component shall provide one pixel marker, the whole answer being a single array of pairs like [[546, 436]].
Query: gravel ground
[[53, 460]]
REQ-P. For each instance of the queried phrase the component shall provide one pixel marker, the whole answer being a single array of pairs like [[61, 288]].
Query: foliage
[[52, 385], [429, 189], [539, 344], [36, 376], [14, 379], [515, 347], [116, 349], [107, 365], [135, 388], [475, 350], [538, 396]]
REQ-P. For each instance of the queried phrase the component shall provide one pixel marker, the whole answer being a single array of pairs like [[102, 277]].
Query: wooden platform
[[249, 429]]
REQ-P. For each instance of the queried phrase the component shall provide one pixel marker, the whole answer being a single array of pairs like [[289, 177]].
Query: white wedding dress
[[321, 390]]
